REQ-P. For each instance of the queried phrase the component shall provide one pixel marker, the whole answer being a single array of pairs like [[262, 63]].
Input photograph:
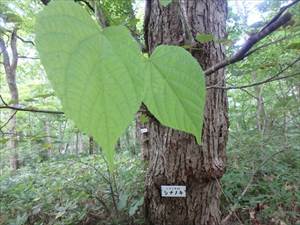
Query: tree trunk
[[91, 145], [260, 106], [48, 141], [174, 157], [10, 65]]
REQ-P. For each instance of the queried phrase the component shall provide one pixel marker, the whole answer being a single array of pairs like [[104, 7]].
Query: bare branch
[[27, 57], [270, 79], [9, 119], [87, 4], [281, 11], [25, 41], [270, 43], [31, 110], [6, 106], [265, 81], [249, 93], [278, 20]]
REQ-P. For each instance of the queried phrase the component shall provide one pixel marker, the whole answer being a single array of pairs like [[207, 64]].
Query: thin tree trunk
[[48, 140], [77, 142], [10, 65], [260, 106], [62, 129], [174, 157], [91, 145]]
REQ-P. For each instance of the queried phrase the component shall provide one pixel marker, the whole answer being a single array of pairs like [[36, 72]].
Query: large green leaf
[[98, 75], [95, 73], [175, 91]]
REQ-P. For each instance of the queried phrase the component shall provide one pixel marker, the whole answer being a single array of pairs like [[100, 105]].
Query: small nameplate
[[173, 191], [144, 130]]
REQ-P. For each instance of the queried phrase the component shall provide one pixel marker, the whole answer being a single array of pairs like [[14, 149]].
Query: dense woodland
[[51, 172]]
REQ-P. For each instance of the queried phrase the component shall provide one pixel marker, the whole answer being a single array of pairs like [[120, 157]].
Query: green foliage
[[204, 38], [8, 16], [71, 191], [270, 171], [165, 2], [99, 76]]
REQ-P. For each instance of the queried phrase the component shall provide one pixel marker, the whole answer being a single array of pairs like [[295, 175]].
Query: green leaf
[[175, 92], [144, 119], [294, 45], [165, 2], [135, 206], [99, 76], [95, 73], [204, 38], [122, 201]]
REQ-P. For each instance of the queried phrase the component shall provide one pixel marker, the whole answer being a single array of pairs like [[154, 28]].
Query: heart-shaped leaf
[[95, 73], [175, 91], [98, 75]]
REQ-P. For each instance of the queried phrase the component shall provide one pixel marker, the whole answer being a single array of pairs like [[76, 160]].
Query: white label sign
[[144, 130], [173, 191]]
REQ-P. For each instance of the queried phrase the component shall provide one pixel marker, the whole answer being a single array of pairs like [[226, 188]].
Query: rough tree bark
[[173, 156], [10, 63]]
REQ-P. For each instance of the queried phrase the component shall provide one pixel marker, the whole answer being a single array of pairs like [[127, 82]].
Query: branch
[[87, 4], [281, 11], [6, 106], [27, 57], [9, 119], [30, 110], [270, 79], [275, 23], [270, 43], [25, 41]]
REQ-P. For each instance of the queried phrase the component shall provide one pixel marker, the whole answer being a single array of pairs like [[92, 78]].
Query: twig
[[270, 79], [31, 110], [276, 22], [268, 44], [10, 118], [25, 41], [87, 4], [27, 57], [250, 94], [6, 106]]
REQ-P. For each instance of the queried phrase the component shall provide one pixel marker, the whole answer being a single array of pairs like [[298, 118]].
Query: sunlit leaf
[[99, 85], [175, 92]]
